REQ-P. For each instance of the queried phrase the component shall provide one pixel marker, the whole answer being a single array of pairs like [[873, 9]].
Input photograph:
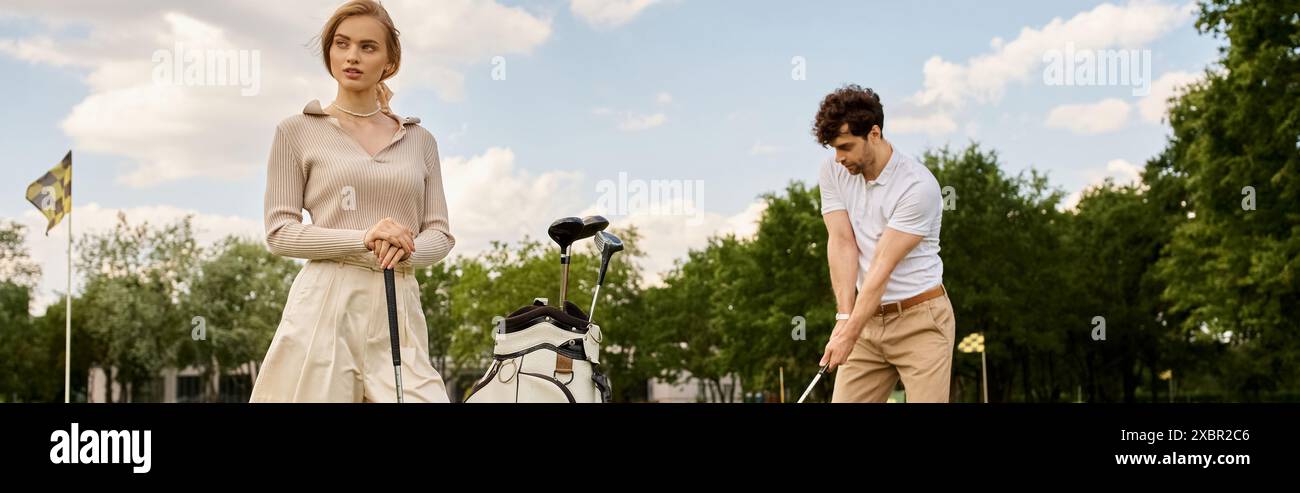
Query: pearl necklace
[[353, 113]]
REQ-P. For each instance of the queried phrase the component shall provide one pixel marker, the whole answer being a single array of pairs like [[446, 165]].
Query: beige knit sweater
[[315, 165]]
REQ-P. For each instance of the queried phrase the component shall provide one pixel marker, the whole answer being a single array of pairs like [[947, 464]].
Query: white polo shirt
[[904, 197]]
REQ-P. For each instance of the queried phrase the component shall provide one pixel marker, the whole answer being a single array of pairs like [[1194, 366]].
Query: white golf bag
[[544, 354]]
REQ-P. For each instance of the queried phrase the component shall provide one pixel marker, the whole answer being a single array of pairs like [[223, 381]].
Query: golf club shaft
[[394, 339], [564, 276], [600, 281], [591, 314], [813, 384], [810, 387]]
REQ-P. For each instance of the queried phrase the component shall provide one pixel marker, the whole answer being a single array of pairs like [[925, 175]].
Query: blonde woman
[[372, 183]]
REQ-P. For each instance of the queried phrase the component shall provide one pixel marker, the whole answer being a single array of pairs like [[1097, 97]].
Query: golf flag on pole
[[973, 343], [52, 193]]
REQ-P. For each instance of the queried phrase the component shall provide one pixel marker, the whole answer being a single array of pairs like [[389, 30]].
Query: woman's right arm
[[286, 235]]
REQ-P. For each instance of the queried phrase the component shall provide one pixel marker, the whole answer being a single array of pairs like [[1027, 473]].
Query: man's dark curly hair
[[852, 104]]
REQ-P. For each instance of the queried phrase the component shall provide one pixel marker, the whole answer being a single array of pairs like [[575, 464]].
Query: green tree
[[620, 313], [1117, 234], [135, 279], [238, 296], [744, 310], [436, 283], [1231, 268], [691, 310], [15, 265], [31, 357], [780, 294], [43, 373], [1005, 271]]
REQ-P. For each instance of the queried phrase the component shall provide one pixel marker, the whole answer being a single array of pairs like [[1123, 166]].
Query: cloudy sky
[[544, 108]]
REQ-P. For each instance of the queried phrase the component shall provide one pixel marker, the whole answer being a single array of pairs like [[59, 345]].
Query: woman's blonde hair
[[375, 10]]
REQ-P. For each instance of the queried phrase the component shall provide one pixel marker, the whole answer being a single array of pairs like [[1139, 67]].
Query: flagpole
[[781, 374], [67, 342], [984, 372]]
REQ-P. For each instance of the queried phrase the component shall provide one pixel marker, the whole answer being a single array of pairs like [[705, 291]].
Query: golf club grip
[[390, 291]]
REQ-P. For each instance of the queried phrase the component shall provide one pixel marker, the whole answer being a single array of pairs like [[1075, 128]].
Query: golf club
[[390, 290], [564, 231], [590, 226], [820, 372], [608, 245]]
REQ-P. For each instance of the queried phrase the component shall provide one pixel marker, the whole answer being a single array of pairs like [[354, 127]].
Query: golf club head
[[564, 231], [608, 244], [592, 225]]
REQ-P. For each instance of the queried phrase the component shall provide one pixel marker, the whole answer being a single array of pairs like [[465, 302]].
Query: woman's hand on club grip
[[392, 232]]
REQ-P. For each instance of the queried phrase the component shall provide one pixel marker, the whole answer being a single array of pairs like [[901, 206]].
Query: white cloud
[[666, 238], [172, 132], [633, 122], [1155, 106], [934, 125], [529, 202], [605, 14], [1123, 171], [38, 49], [1119, 171], [984, 78], [761, 149], [1071, 201], [1103, 116], [489, 198], [458, 134], [466, 31]]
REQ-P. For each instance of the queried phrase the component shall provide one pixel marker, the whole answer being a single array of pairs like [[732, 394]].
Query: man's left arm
[[891, 249], [918, 210]]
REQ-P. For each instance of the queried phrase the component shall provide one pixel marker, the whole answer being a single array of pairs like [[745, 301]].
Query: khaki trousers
[[332, 344], [915, 344]]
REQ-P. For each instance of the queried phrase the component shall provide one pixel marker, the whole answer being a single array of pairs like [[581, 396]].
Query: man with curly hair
[[882, 211]]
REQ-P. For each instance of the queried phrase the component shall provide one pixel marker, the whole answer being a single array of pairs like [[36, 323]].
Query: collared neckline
[[314, 108], [895, 160]]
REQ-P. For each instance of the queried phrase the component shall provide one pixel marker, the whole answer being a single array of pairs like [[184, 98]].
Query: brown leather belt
[[898, 306]]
